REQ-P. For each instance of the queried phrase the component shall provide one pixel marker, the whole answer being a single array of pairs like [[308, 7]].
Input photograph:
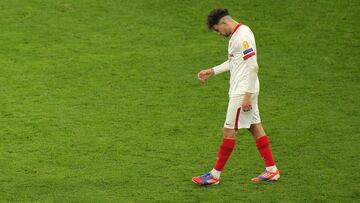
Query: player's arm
[[251, 71], [252, 68], [205, 74], [221, 68]]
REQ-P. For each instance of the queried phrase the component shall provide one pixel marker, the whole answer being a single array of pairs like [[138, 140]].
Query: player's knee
[[228, 130], [229, 133]]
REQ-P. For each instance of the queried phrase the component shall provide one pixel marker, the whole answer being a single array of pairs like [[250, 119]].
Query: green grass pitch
[[99, 101]]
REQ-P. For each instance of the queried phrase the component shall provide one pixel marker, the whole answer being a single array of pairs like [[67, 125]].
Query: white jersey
[[242, 50]]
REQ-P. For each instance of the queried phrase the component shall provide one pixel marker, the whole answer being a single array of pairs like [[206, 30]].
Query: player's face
[[221, 28]]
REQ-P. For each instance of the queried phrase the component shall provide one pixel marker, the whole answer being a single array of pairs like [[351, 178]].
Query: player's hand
[[246, 104], [205, 74]]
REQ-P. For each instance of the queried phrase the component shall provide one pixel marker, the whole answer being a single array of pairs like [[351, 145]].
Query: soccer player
[[242, 109]]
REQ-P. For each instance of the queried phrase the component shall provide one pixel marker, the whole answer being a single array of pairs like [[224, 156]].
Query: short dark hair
[[215, 16]]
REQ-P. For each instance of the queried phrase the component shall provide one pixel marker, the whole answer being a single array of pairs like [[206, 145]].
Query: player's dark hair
[[215, 16]]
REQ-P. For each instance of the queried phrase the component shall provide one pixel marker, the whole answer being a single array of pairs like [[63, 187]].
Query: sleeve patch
[[249, 55], [247, 51], [245, 45]]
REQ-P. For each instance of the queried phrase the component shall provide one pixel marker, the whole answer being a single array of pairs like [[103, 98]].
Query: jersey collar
[[236, 27]]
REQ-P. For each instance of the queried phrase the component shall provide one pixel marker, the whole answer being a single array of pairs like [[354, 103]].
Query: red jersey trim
[[236, 27], [237, 119], [249, 55]]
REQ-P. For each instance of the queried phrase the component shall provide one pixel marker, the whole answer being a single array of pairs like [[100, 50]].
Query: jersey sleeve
[[247, 48], [252, 67], [221, 68]]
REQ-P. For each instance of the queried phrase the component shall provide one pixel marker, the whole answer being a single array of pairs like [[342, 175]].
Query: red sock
[[225, 150], [263, 145]]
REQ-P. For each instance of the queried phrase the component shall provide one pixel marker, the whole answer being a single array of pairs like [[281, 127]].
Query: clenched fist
[[205, 74]]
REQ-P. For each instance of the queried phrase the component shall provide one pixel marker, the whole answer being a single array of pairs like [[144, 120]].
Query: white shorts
[[236, 118]]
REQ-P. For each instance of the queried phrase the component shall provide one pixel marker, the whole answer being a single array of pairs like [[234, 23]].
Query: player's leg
[[224, 153], [257, 130], [227, 145], [225, 150], [263, 145]]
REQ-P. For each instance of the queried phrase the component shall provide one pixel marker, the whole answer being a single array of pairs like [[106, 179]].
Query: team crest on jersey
[[245, 45]]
